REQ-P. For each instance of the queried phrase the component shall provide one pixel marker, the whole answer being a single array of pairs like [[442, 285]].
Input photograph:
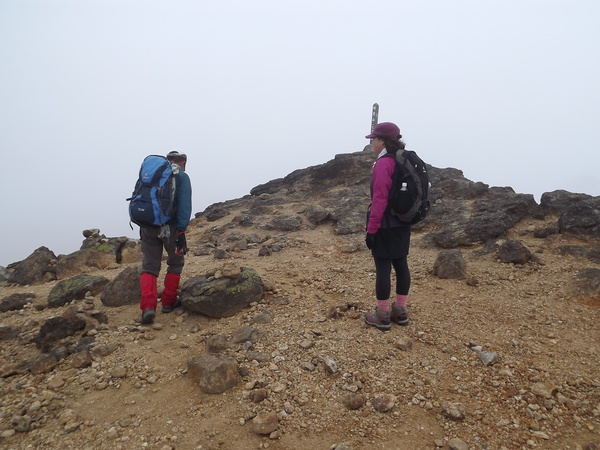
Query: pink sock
[[401, 300], [383, 305]]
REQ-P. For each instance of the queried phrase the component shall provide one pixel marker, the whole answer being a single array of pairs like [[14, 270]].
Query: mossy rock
[[223, 297], [75, 288]]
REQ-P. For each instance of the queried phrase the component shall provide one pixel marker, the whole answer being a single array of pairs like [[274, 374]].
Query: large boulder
[[124, 289], [75, 288], [556, 202], [581, 219], [513, 251], [33, 269], [450, 264], [222, 297]]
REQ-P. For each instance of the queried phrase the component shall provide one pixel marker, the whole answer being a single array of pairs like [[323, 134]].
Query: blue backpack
[[152, 203]]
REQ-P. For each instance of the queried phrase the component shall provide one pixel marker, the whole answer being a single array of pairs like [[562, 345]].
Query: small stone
[[119, 372], [21, 424], [454, 411], [544, 389], [354, 401], [308, 366], [258, 395], [306, 344], [457, 444], [81, 359], [7, 434], [263, 318], [540, 434], [342, 446], [330, 365], [405, 344], [288, 407], [488, 358], [72, 426], [383, 402], [265, 423]]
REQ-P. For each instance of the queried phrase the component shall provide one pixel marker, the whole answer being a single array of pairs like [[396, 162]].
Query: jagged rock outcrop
[[34, 269], [98, 251], [464, 212]]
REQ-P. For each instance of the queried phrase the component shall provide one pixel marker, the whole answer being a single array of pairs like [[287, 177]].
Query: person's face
[[378, 145], [180, 163]]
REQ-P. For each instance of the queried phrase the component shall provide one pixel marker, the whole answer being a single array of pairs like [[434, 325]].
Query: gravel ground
[[501, 360]]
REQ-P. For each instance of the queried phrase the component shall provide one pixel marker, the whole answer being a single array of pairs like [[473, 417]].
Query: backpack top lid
[[153, 167]]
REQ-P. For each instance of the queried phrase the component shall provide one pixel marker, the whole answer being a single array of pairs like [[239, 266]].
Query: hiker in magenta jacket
[[387, 238]]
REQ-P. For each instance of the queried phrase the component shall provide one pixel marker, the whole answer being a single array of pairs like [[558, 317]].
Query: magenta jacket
[[383, 171]]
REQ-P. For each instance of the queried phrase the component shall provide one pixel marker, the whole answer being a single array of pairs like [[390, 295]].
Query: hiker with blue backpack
[[399, 188], [161, 205]]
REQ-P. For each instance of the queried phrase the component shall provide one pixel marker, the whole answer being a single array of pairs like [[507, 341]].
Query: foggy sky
[[507, 92]]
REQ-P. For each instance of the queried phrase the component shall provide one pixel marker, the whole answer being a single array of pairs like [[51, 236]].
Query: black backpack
[[409, 195], [152, 203]]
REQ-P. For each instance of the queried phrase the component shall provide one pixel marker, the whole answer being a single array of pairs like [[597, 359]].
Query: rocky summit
[[270, 350]]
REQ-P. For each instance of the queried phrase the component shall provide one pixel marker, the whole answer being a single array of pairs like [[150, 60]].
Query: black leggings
[[383, 271]]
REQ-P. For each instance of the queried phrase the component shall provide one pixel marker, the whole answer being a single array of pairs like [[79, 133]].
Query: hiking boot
[[379, 319], [399, 315], [148, 316], [168, 309]]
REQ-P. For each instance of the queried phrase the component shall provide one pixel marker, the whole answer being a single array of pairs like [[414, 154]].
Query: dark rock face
[[558, 201], [488, 217], [75, 288], [221, 297], [33, 268], [581, 218]]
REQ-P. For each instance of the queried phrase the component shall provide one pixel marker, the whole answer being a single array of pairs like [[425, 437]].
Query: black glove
[[181, 244], [370, 240]]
